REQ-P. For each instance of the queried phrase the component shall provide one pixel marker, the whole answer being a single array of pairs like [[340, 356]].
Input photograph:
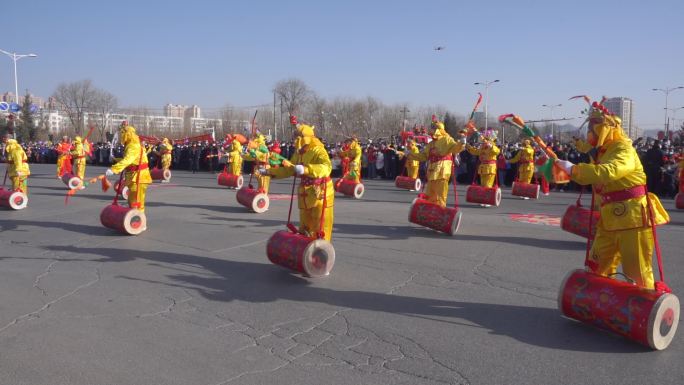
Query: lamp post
[[14, 56], [486, 85], [674, 115], [667, 91], [551, 107]]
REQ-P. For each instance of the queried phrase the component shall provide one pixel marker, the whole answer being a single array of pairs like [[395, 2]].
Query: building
[[624, 108]]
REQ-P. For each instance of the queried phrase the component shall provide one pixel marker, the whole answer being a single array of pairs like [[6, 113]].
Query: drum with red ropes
[[126, 220], [433, 216], [349, 188], [253, 199], [13, 199], [580, 220], [309, 256], [483, 195], [408, 183], [525, 190], [679, 201], [159, 174], [72, 181], [648, 317], [230, 180]]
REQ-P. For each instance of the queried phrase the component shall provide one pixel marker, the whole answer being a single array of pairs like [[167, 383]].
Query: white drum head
[[456, 223], [135, 222], [239, 182], [18, 200], [74, 183], [536, 194], [319, 258], [418, 184], [167, 175], [497, 200], [663, 321], [124, 193], [358, 191], [260, 203]]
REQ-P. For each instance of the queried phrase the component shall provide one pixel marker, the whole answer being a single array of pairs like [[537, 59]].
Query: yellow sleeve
[[421, 156], [129, 158], [582, 146], [281, 172], [516, 157], [473, 150], [320, 165], [614, 165], [455, 147]]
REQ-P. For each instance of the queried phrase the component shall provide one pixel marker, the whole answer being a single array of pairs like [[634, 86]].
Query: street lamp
[[551, 107], [674, 115], [667, 91], [486, 85], [14, 56]]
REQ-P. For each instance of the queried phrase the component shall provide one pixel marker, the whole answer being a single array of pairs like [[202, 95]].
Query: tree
[[27, 130], [294, 93], [104, 103], [75, 99]]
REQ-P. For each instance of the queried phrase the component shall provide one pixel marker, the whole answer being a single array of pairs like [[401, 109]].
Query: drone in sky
[[439, 48]]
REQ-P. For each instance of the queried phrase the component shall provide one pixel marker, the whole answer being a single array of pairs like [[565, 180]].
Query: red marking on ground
[[536, 219], [279, 197]]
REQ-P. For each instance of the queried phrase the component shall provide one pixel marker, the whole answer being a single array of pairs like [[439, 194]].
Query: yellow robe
[[354, 155], [17, 167], [412, 165], [166, 157], [623, 234], [439, 171], [261, 159], [235, 158], [132, 157], [310, 197], [79, 156], [486, 170], [526, 168]]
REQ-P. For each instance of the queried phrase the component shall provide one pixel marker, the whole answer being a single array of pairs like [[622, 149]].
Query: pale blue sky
[[215, 52]]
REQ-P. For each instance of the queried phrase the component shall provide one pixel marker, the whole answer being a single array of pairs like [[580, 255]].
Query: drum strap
[[137, 178], [453, 176], [289, 224], [593, 266], [659, 285], [321, 232], [4, 180]]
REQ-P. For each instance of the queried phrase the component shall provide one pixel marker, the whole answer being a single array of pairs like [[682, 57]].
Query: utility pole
[[403, 118]]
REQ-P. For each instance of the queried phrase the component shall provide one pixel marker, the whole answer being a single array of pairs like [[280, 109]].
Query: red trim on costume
[[623, 195]]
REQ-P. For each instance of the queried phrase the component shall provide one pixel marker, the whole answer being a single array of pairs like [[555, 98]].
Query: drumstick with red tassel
[[106, 184]]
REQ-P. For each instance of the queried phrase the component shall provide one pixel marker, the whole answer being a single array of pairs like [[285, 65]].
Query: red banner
[[199, 138]]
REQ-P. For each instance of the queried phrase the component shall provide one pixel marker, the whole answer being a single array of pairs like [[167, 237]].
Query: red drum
[[124, 191], [311, 257], [230, 180], [160, 174], [642, 315], [525, 190], [436, 217], [15, 200], [349, 188], [679, 201], [483, 195], [72, 181], [253, 199], [123, 219], [407, 183], [576, 221]]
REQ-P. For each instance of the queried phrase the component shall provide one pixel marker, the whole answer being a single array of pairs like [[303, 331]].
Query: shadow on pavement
[[259, 282]]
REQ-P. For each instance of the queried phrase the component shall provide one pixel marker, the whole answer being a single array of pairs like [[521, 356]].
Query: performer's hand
[[287, 163], [263, 171], [299, 169], [565, 165], [109, 172]]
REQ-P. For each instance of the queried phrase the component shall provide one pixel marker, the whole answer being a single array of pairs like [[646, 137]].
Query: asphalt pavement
[[194, 299]]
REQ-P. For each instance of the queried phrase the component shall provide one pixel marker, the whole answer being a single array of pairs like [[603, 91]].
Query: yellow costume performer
[[487, 152], [258, 153], [412, 165], [63, 155], [525, 160], [623, 234], [235, 158], [165, 150], [134, 163], [353, 152], [316, 194], [17, 166], [439, 154], [78, 154]]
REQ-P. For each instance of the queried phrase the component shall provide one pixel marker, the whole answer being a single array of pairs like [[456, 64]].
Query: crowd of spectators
[[384, 159]]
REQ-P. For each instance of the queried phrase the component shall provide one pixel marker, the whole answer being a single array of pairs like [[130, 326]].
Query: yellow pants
[[412, 172], [20, 183], [136, 199], [356, 170], [310, 221], [166, 162], [633, 248], [263, 181], [525, 176], [79, 168], [60, 163], [487, 180], [437, 191]]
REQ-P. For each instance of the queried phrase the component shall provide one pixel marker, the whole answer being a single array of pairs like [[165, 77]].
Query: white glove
[[263, 171], [565, 165], [109, 172], [299, 169]]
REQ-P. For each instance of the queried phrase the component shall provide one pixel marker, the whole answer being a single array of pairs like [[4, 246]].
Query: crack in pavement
[[36, 282]]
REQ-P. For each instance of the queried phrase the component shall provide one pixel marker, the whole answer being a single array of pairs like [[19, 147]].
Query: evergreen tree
[[26, 131]]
